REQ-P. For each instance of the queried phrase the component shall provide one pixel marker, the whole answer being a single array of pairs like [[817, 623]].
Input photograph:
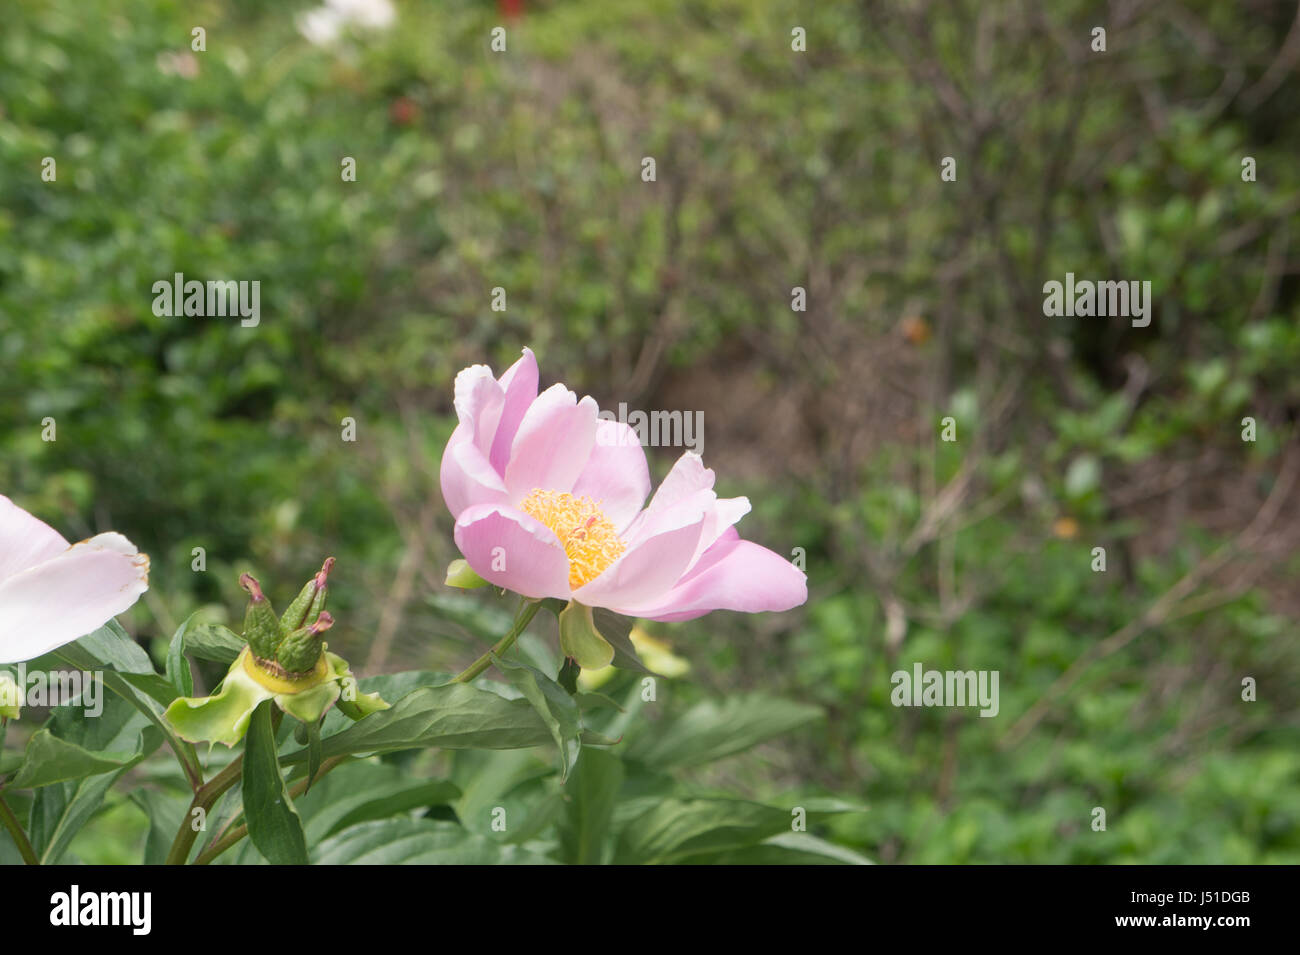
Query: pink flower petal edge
[[52, 594]]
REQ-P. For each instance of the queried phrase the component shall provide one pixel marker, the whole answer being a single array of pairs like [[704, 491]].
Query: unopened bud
[[302, 648], [261, 628], [309, 602]]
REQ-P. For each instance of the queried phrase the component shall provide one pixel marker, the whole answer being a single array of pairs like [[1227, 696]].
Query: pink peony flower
[[548, 500], [52, 593]]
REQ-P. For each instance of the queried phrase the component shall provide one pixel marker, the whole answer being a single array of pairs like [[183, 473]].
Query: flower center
[[589, 537]]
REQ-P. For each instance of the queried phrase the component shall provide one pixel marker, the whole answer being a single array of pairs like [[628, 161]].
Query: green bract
[[223, 717], [580, 640], [461, 574]]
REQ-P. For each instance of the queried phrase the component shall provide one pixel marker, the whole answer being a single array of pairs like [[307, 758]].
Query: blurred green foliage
[[774, 169]]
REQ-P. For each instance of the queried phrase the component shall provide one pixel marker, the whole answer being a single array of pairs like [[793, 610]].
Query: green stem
[[16, 830], [205, 798], [501, 646]]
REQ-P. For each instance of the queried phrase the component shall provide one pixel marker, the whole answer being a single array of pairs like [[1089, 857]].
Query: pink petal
[[508, 548], [25, 540], [726, 512], [553, 443], [688, 475], [734, 574], [519, 385], [479, 400], [466, 476], [616, 474], [655, 562], [69, 595]]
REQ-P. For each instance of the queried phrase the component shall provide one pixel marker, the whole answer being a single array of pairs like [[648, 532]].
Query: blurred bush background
[[775, 169]]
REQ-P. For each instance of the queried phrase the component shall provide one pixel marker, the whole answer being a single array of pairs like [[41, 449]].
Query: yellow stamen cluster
[[589, 537]]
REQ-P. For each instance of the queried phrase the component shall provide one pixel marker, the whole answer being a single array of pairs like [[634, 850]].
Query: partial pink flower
[[550, 501], [52, 593]]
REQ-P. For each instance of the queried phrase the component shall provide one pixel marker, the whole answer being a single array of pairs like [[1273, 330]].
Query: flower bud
[[11, 698], [261, 629], [309, 602], [302, 648]]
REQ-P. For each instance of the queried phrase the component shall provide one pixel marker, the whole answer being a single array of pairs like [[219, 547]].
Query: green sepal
[[352, 702], [309, 705], [461, 574], [222, 717], [580, 639]]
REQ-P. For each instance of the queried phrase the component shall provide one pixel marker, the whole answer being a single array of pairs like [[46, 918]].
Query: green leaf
[[591, 700], [178, 668], [211, 641], [709, 731], [111, 646], [274, 825], [61, 810], [418, 842], [365, 791], [74, 744], [553, 704], [539, 816], [489, 779], [452, 716], [675, 829], [51, 760], [789, 848], [590, 795], [616, 630], [709, 829], [164, 812], [154, 685]]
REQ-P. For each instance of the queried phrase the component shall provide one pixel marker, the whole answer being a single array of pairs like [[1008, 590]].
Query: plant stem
[[16, 830], [234, 835], [501, 646], [205, 798]]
